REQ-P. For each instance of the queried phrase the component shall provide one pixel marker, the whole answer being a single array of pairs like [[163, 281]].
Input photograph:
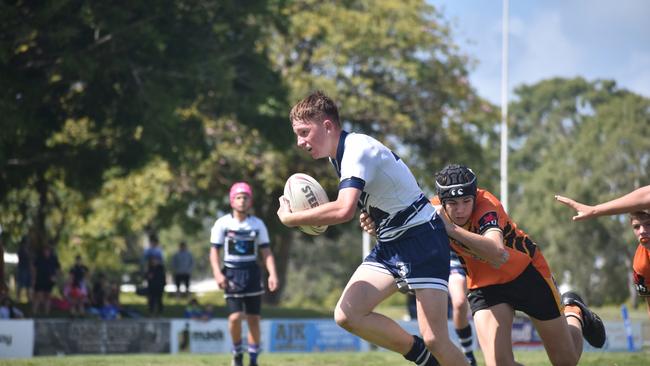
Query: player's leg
[[253, 318], [432, 320], [47, 301], [354, 310], [494, 331], [177, 282], [186, 280], [236, 314], [562, 339], [36, 302], [458, 295]]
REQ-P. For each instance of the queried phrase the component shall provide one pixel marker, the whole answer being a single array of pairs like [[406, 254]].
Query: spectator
[[154, 250], [75, 289], [46, 269], [208, 312], [99, 291], [8, 310], [155, 285], [193, 310], [110, 310], [182, 264], [76, 295], [78, 272], [24, 271]]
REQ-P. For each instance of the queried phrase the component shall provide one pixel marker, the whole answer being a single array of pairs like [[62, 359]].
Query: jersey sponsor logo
[[490, 219]]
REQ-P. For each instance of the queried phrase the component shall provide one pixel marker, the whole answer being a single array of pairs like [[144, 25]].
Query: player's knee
[[434, 344], [236, 317], [343, 319]]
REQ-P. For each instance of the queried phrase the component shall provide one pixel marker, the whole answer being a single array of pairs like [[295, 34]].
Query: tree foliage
[[90, 87], [584, 140]]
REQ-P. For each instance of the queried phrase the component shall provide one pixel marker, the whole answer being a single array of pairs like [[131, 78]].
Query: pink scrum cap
[[240, 187]]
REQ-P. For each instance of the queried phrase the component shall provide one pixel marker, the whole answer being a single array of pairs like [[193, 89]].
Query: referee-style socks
[[420, 355]]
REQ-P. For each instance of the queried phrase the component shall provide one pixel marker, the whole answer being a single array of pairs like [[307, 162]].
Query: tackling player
[[640, 221], [241, 236], [523, 283], [412, 247]]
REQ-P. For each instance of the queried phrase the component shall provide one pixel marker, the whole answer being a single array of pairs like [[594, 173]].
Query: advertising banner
[[312, 336], [16, 338], [57, 337]]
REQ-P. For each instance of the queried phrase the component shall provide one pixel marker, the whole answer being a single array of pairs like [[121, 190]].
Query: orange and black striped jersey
[[488, 214], [641, 270]]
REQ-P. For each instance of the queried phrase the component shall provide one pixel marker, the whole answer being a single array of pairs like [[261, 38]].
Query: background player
[[460, 306], [640, 222], [241, 236], [638, 199], [412, 246]]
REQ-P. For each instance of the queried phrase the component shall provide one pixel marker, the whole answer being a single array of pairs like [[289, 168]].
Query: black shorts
[[182, 278], [251, 305], [42, 285], [529, 293]]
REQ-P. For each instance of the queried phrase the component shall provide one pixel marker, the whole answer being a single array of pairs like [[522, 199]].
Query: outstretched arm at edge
[[638, 199]]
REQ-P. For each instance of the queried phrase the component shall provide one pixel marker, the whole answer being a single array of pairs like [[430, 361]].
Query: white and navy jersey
[[240, 239], [390, 193]]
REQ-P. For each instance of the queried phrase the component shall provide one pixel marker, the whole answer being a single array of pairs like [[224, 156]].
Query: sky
[[595, 39]]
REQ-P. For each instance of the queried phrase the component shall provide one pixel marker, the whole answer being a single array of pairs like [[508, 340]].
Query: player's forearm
[[330, 213], [269, 262], [215, 262], [638, 199], [491, 250]]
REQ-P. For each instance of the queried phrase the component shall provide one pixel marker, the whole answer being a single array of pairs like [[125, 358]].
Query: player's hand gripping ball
[[304, 192]]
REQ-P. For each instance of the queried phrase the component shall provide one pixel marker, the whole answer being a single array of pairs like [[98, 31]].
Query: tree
[[585, 140], [91, 87]]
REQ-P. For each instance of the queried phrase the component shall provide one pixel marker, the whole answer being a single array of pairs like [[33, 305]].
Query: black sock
[[420, 354], [465, 338]]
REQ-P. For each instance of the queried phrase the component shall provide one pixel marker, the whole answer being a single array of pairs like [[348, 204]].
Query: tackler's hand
[[367, 223], [443, 215], [584, 211]]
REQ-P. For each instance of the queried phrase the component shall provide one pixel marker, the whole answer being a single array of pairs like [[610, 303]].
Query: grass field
[[528, 358]]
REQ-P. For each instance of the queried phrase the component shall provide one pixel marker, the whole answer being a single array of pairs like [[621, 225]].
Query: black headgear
[[455, 181]]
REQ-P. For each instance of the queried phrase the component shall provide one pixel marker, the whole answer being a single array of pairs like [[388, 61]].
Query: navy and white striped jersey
[[240, 239], [390, 193]]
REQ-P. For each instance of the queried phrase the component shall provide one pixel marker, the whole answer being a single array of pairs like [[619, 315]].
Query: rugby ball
[[304, 192]]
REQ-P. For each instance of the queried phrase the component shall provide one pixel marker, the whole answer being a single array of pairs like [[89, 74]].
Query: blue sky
[[595, 39]]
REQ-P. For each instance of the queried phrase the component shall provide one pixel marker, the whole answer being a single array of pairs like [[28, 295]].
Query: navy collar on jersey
[[339, 153]]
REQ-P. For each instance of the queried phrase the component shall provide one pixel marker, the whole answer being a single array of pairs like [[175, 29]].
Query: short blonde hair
[[316, 107]]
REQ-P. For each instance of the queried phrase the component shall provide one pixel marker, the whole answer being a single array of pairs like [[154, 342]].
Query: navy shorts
[[243, 282], [418, 259]]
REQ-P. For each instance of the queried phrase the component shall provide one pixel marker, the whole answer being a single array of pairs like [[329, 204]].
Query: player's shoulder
[[487, 207], [254, 219], [435, 200], [642, 252], [362, 143]]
